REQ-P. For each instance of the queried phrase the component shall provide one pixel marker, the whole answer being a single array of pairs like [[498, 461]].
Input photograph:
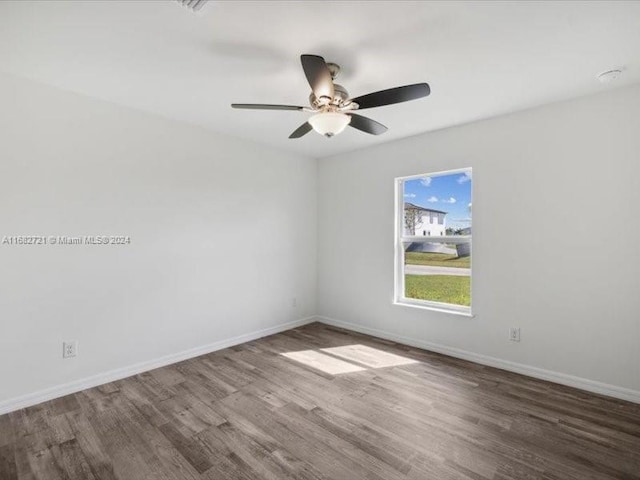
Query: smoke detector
[[609, 75]]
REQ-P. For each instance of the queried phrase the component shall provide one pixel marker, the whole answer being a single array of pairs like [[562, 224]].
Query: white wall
[[540, 178], [223, 236]]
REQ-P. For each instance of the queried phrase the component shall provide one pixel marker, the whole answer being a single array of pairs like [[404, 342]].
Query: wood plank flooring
[[250, 412]]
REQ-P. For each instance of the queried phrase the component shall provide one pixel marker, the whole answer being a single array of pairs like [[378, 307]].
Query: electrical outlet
[[69, 349], [294, 302], [514, 334]]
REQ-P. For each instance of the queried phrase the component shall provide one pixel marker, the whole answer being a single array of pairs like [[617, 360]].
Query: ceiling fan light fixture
[[329, 123]]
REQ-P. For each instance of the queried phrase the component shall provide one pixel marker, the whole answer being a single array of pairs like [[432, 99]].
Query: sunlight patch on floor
[[323, 362], [371, 357], [348, 358]]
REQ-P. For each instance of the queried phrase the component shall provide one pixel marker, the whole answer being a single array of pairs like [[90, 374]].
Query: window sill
[[435, 308]]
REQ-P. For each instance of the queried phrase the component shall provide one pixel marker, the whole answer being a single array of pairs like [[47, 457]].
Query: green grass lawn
[[439, 288], [436, 260]]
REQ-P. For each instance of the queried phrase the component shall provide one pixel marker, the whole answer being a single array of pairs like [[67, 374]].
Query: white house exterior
[[424, 222]]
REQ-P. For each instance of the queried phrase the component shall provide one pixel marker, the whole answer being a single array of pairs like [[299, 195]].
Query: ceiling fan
[[330, 102]]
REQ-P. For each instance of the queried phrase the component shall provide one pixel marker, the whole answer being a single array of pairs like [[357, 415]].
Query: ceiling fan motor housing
[[340, 97]]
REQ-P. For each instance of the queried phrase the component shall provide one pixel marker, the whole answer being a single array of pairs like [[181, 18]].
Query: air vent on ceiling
[[194, 5]]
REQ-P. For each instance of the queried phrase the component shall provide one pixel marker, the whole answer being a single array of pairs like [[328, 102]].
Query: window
[[434, 272]]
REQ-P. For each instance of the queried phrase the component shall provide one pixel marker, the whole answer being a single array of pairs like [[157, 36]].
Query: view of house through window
[[433, 245]]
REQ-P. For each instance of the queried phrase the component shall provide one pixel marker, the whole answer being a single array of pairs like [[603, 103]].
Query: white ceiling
[[481, 58]]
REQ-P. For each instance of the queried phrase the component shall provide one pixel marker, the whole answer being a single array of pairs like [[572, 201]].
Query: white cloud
[[464, 178], [409, 195], [449, 200], [426, 181], [432, 199]]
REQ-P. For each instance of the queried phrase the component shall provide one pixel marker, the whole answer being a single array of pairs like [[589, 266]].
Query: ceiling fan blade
[[318, 75], [366, 124], [301, 130], [393, 95], [264, 106]]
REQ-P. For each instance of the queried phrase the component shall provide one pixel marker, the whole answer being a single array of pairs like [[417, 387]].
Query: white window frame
[[401, 238]]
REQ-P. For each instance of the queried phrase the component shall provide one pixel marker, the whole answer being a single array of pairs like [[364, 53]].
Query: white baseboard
[[34, 398], [556, 377]]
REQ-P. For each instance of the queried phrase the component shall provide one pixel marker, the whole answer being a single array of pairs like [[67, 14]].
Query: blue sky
[[449, 193]]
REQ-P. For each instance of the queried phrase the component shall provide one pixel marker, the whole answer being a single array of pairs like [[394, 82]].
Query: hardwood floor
[[250, 412]]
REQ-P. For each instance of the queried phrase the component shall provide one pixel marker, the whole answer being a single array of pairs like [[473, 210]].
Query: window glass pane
[[435, 269], [437, 205], [438, 272]]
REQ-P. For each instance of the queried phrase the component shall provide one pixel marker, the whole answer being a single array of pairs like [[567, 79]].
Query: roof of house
[[410, 206]]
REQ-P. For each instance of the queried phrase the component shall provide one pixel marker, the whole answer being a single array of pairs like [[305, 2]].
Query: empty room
[[319, 240]]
